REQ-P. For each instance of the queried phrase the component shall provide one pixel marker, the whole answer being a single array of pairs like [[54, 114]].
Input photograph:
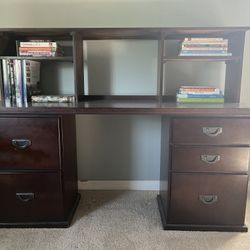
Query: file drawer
[[30, 197], [211, 131], [210, 159], [29, 143], [205, 199]]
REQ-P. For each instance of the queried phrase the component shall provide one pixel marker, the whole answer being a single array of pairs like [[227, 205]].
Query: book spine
[[38, 44], [40, 53], [205, 54], [197, 87], [199, 95], [39, 49], [200, 100], [198, 45], [18, 77], [12, 81], [52, 98], [203, 48], [6, 84], [1, 82], [197, 51], [199, 90], [204, 39], [24, 83]]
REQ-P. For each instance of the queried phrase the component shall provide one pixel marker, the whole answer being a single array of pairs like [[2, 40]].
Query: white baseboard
[[122, 185], [119, 185]]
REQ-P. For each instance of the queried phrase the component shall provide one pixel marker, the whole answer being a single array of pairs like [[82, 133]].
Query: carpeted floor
[[120, 220]]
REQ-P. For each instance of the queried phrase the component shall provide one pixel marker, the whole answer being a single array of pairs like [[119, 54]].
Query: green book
[[200, 100]]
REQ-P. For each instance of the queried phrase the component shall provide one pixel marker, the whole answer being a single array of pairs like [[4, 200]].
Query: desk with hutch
[[38, 182]]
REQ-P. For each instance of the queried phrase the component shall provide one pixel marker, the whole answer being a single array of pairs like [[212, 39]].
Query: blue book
[[24, 83]]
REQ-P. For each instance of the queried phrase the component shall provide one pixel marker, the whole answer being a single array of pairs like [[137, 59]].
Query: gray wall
[[127, 147]]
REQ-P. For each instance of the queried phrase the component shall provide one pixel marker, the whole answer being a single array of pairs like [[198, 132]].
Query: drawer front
[[30, 197], [209, 159], [29, 143], [208, 199], [211, 131]]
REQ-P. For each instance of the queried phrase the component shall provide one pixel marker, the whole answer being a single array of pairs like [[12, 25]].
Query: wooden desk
[[204, 151]]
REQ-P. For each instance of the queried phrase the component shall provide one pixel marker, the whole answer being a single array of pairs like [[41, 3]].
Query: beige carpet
[[119, 220]]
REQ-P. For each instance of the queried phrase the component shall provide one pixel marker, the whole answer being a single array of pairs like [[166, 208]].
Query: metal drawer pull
[[208, 199], [212, 131], [25, 197], [21, 143], [210, 159]]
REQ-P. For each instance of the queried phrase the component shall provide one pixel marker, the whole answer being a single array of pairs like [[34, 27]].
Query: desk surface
[[132, 107]]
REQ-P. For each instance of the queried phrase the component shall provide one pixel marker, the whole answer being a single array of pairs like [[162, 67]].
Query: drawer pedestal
[[38, 175]]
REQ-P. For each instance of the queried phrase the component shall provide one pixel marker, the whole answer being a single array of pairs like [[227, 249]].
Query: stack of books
[[204, 47], [199, 94], [38, 48], [20, 80]]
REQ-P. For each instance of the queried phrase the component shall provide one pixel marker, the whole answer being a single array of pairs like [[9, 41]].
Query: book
[[11, 79], [40, 53], [218, 39], [52, 98], [199, 95], [6, 84], [207, 40], [203, 48], [30, 79], [200, 100], [35, 49], [1, 82], [199, 90], [37, 43], [18, 82], [205, 53]]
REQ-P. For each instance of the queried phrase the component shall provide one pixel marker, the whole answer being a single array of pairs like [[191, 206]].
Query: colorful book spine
[[200, 96], [205, 91], [24, 83], [200, 100], [38, 44], [35, 49]]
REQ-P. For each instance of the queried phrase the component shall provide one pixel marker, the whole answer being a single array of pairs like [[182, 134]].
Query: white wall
[[126, 147]]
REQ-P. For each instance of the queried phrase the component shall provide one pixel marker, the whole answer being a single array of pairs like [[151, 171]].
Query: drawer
[[211, 131], [30, 197], [29, 143], [208, 199], [209, 159]]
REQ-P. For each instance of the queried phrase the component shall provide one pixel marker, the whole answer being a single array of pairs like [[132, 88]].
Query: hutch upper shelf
[[76, 36]]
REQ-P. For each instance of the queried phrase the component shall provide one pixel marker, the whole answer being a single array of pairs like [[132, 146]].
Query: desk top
[[141, 107]]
